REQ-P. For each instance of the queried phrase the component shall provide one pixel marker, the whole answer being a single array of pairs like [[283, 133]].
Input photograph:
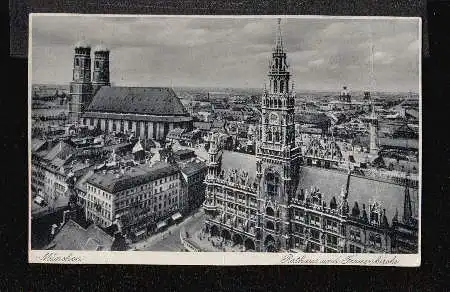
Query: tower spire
[[279, 39], [407, 210]]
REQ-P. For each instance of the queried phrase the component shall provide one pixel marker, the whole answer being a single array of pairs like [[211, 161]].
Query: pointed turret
[[355, 211], [395, 219], [407, 210], [384, 222], [279, 39], [364, 214]]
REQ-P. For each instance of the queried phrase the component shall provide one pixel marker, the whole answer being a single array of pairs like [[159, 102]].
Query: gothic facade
[[267, 209]]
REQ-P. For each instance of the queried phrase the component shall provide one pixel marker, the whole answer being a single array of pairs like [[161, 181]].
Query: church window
[[77, 62], [275, 86], [269, 135], [96, 64], [281, 86], [270, 225], [269, 211], [273, 183]]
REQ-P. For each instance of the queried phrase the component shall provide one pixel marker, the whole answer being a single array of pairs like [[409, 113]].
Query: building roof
[[137, 147], [181, 152], [60, 151], [237, 160], [193, 167], [81, 182], [137, 100], [74, 237], [312, 118], [115, 182], [362, 190], [36, 144], [203, 125], [175, 132]]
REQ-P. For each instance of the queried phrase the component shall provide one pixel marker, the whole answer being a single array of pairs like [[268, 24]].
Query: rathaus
[[253, 208], [263, 204]]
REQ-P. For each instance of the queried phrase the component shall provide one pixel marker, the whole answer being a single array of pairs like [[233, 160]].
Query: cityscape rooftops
[[135, 176]]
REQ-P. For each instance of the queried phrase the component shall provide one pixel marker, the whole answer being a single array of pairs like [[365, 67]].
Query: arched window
[[277, 136], [281, 86], [270, 225], [269, 211], [269, 135], [275, 86], [273, 183]]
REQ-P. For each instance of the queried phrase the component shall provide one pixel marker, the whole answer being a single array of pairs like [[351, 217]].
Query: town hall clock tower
[[278, 157]]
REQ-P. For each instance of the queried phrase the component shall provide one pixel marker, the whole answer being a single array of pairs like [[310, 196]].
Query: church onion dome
[[100, 48], [138, 147], [82, 44], [355, 211]]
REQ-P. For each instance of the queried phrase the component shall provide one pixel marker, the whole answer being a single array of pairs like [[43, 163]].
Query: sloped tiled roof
[[361, 189], [193, 167], [241, 161], [135, 176], [137, 100], [74, 237]]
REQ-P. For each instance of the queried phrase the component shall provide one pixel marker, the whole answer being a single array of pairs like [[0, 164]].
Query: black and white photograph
[[224, 139]]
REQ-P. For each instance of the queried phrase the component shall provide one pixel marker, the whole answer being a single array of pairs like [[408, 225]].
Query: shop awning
[[161, 224], [176, 216]]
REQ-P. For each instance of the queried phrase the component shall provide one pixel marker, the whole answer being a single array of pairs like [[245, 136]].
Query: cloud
[[316, 63], [230, 52]]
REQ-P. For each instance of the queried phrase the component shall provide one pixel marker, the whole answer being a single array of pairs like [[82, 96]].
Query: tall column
[[170, 126], [157, 131], [161, 130], [142, 130], [149, 130], [103, 124], [118, 129], [110, 126], [133, 127], [125, 126], [95, 122]]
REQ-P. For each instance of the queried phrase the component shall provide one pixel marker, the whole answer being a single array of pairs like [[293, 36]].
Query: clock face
[[273, 118], [76, 76]]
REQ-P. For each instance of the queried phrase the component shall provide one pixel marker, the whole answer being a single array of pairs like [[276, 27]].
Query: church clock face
[[76, 75]]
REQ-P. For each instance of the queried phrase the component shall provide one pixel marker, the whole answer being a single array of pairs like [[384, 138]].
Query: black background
[[17, 273]]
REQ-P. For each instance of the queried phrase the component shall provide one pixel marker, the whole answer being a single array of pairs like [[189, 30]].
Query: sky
[[323, 53]]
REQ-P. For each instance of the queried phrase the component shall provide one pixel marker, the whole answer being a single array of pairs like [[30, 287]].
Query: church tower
[[277, 155], [373, 133], [100, 76], [81, 86]]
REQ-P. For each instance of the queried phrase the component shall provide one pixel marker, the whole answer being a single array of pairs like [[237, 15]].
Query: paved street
[[169, 240]]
